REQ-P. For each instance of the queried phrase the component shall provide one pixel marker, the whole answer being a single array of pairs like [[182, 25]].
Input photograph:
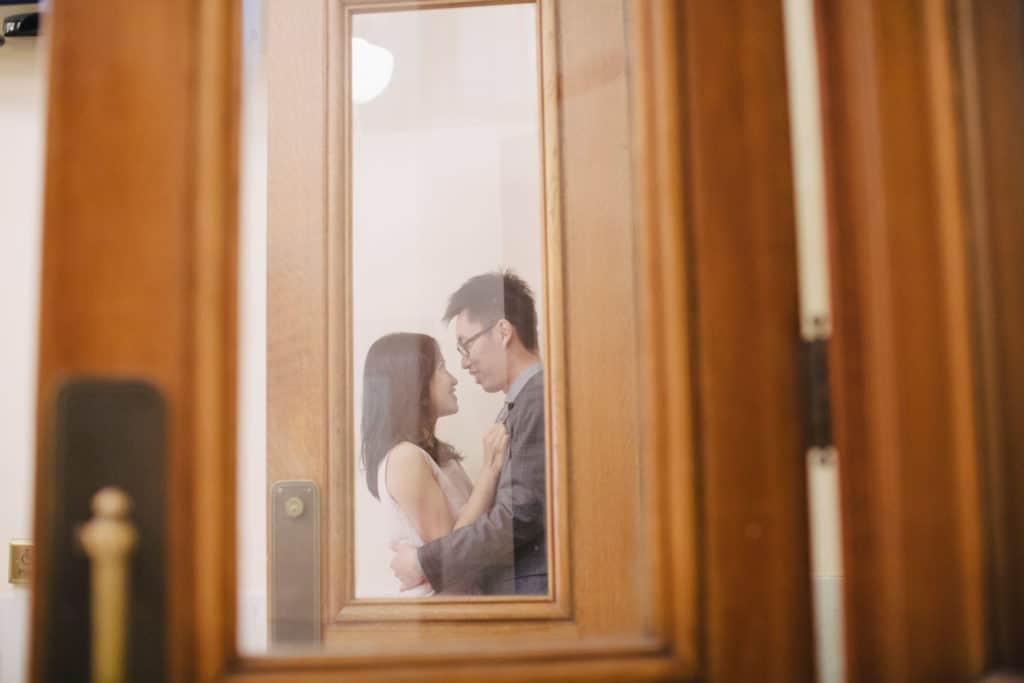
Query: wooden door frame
[[140, 274], [139, 271], [990, 43], [914, 96], [903, 409]]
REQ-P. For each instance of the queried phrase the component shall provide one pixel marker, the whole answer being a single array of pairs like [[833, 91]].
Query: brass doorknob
[[109, 539]]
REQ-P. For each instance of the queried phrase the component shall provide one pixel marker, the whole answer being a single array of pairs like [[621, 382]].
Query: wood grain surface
[[990, 38], [905, 424], [138, 272], [745, 343]]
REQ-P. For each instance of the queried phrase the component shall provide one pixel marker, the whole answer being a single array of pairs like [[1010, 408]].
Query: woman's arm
[[410, 481], [480, 501]]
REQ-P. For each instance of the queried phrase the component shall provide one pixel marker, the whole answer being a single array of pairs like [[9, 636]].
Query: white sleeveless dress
[[399, 527]]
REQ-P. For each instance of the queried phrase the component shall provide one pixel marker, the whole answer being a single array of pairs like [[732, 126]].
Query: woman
[[419, 479]]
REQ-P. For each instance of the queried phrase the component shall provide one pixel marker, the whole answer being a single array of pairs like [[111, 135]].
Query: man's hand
[[406, 566]]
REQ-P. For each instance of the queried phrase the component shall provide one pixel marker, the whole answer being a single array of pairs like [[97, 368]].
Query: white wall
[[446, 185], [22, 122]]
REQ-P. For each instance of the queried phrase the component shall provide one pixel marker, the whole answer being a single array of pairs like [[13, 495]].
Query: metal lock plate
[[102, 432], [294, 563]]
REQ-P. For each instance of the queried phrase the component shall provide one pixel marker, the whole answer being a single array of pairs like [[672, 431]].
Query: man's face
[[484, 356]]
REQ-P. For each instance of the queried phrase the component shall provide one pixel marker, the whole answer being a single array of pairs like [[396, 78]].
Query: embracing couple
[[450, 535]]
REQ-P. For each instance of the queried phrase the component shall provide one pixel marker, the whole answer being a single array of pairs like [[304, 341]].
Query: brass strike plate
[[19, 568]]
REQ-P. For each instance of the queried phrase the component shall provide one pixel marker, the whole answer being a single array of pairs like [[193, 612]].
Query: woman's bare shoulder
[[407, 467], [407, 452]]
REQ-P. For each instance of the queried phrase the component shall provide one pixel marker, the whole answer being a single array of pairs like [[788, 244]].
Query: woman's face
[[442, 392]]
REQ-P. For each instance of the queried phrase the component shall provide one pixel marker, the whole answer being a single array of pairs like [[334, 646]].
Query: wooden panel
[[596, 667], [214, 291], [599, 295], [742, 249], [138, 258], [904, 421], [591, 290], [744, 306], [587, 139], [991, 41], [664, 295], [115, 189], [297, 362]]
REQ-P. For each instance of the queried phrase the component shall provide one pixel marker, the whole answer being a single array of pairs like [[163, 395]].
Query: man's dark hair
[[489, 297]]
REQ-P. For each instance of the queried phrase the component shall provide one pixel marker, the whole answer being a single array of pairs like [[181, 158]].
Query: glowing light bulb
[[372, 67]]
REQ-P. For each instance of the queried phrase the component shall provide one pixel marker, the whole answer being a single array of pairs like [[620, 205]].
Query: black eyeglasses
[[463, 346]]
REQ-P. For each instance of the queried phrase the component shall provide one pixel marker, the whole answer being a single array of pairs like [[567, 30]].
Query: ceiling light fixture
[[372, 67]]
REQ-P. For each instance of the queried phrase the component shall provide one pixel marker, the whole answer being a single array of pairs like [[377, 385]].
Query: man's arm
[[519, 511]]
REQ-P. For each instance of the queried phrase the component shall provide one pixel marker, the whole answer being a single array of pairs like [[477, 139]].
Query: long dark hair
[[396, 400]]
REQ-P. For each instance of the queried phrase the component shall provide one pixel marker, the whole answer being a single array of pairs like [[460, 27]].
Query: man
[[505, 550]]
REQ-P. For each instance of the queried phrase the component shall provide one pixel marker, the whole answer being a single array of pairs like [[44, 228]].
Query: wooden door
[[922, 104], [690, 156], [139, 263], [585, 49]]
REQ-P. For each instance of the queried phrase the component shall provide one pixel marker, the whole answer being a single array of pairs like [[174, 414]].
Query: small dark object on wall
[[21, 25]]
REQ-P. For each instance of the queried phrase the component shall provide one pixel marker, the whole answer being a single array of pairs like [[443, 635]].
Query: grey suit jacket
[[505, 550]]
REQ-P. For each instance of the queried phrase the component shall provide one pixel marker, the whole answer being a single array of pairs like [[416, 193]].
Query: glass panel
[[23, 78], [446, 183], [432, 229]]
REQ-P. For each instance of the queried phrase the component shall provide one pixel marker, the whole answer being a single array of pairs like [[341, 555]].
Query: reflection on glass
[[450, 490]]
